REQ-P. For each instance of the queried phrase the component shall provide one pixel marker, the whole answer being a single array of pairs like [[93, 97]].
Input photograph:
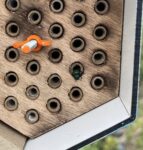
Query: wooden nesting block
[[78, 73]]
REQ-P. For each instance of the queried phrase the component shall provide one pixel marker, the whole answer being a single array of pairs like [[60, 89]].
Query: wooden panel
[[110, 71], [9, 138]]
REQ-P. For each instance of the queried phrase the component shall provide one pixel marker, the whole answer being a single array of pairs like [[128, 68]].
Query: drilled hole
[[101, 7], [32, 116], [76, 70], [12, 54], [99, 57], [57, 6], [97, 82], [11, 103], [54, 81], [54, 105], [76, 94], [78, 19], [12, 29], [56, 30], [33, 67], [34, 17], [11, 79], [12, 5], [78, 44], [55, 55], [32, 92], [100, 32]]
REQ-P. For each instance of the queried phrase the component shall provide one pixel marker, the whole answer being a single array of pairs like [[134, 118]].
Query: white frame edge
[[76, 131], [111, 113], [128, 48]]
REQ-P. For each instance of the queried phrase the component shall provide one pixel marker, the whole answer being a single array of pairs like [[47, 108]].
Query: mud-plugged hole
[[11, 79], [76, 70], [79, 19], [54, 81], [32, 116], [57, 6], [101, 7], [34, 17], [12, 29], [100, 32], [76, 94], [78, 44], [32, 92], [99, 57], [12, 54], [56, 31], [12, 5], [11, 103], [33, 67], [55, 55], [97, 82], [54, 105]]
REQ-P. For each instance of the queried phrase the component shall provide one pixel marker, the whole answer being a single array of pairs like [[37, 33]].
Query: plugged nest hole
[[32, 116], [32, 92], [76, 70]]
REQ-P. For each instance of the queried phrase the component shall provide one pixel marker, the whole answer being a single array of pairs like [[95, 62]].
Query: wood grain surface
[[91, 98], [10, 139]]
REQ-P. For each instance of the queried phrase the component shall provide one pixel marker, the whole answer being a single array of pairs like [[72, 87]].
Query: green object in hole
[[77, 74]]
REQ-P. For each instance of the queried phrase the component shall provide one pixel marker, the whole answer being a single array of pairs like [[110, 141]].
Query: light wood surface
[[10, 139], [91, 98]]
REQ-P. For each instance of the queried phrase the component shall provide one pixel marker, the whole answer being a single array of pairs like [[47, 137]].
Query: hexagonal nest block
[[78, 73]]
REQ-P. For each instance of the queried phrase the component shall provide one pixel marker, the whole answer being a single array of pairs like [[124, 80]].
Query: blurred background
[[130, 137]]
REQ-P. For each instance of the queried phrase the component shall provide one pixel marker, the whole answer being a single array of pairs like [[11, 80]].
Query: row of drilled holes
[[32, 115], [54, 81], [99, 56], [78, 43], [33, 92], [53, 104], [57, 6], [56, 31], [55, 55]]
